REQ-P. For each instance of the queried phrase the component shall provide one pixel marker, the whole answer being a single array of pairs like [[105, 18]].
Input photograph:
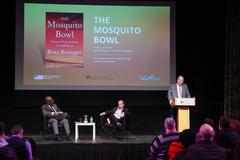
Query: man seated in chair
[[118, 116], [51, 111]]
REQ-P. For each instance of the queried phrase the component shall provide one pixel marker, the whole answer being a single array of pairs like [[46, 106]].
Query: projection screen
[[93, 46]]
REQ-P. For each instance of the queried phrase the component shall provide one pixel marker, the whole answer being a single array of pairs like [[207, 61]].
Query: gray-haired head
[[206, 132], [170, 124]]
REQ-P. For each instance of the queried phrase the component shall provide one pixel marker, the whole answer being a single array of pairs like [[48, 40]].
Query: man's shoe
[[58, 138], [68, 138], [112, 136], [119, 124]]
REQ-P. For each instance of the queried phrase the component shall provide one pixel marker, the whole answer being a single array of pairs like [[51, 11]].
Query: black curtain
[[97, 151], [232, 60]]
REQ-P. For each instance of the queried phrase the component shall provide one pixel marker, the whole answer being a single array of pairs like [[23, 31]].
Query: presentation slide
[[95, 47]]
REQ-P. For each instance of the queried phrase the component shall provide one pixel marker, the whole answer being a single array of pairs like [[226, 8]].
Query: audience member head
[[17, 130], [121, 103], [180, 80], [187, 137], [224, 123], [169, 124], [235, 125], [49, 100], [2, 129], [206, 132], [209, 121], [198, 137]]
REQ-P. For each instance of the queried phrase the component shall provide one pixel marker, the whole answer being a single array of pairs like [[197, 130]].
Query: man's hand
[[122, 114], [102, 114], [171, 102], [57, 113]]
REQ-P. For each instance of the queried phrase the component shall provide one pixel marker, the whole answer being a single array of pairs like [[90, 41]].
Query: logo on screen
[[148, 78], [38, 77], [45, 77]]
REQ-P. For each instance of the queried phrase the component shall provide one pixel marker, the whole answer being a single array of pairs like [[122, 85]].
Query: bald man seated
[[206, 148], [51, 111]]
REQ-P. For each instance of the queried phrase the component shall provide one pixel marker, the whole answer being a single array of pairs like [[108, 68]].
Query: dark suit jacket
[[47, 111], [172, 91], [227, 138], [205, 151], [113, 110]]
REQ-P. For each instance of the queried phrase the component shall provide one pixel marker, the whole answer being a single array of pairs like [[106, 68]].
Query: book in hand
[[62, 115], [64, 40]]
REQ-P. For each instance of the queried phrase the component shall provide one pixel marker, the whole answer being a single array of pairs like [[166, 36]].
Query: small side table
[[77, 124]]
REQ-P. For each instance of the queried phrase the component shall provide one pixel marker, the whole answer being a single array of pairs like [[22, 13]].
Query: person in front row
[[160, 144], [17, 140], [51, 111], [118, 116], [206, 148], [7, 152], [3, 141]]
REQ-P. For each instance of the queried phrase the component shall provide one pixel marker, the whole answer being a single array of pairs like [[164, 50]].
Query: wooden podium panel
[[183, 118], [183, 114]]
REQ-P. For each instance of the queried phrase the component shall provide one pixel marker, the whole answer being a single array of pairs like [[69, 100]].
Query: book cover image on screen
[[64, 40]]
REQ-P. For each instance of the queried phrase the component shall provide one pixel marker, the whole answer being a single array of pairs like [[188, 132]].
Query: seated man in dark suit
[[52, 112], [118, 116]]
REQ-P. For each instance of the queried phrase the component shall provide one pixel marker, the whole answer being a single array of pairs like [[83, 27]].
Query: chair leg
[[42, 134]]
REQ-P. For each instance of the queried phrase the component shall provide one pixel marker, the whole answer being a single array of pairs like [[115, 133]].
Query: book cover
[[64, 40]]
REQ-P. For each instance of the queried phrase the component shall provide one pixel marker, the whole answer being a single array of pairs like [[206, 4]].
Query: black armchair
[[107, 127], [47, 127]]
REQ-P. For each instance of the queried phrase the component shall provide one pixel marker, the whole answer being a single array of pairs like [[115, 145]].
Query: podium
[[183, 114]]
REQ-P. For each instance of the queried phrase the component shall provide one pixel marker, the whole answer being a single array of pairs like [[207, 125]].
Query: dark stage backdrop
[[200, 58]]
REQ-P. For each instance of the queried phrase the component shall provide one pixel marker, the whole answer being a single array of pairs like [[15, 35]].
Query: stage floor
[[88, 139], [128, 148]]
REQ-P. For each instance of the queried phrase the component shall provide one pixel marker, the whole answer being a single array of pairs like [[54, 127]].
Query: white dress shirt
[[179, 90], [118, 113], [53, 109]]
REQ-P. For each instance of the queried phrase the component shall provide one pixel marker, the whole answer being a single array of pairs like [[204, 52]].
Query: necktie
[[180, 91], [54, 109]]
